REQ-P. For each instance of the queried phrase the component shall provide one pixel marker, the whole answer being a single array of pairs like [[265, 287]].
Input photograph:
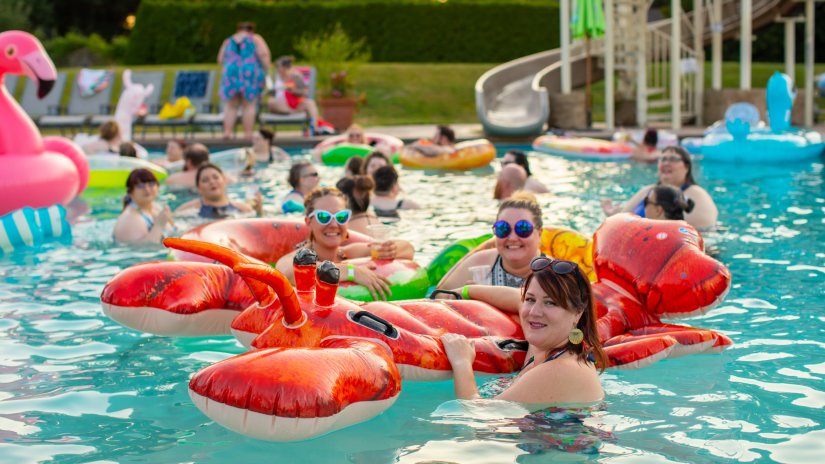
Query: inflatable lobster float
[[321, 362]]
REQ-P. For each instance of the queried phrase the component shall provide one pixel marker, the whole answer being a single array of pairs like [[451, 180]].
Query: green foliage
[[336, 58], [14, 14], [489, 31], [100, 51]]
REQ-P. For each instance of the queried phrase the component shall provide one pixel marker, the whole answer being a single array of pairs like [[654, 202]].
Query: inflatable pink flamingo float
[[34, 171]]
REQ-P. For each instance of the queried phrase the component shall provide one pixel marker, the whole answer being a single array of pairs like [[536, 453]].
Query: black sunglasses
[[559, 266]]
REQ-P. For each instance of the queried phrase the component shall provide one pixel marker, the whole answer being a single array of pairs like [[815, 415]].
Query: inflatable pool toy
[[28, 228], [335, 151], [130, 104], [111, 171], [743, 142], [231, 159], [582, 147], [666, 138], [181, 108], [451, 255], [35, 171], [276, 392], [470, 154]]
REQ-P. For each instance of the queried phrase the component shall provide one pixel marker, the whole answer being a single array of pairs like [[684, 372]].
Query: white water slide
[[512, 98]]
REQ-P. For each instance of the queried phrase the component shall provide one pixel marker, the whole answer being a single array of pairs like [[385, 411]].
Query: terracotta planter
[[338, 111]]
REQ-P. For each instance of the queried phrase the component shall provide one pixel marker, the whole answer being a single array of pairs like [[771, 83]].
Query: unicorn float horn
[[227, 257], [293, 315]]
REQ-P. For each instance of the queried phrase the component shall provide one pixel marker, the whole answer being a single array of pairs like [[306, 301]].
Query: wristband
[[350, 272], [465, 292]]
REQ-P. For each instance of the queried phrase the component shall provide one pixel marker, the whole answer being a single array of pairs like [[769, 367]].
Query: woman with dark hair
[[353, 166], [265, 151], [291, 92], [558, 318], [647, 151], [520, 158], [667, 202], [213, 202], [385, 202], [245, 58], [327, 218], [676, 170], [303, 178], [373, 161], [142, 219], [357, 190]]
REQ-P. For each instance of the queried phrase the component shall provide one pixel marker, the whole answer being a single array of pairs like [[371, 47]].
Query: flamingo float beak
[[40, 68]]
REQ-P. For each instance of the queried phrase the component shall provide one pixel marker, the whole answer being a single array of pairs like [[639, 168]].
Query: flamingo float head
[[21, 53]]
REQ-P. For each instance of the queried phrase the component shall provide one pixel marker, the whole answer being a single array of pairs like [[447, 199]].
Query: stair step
[[651, 91], [655, 104]]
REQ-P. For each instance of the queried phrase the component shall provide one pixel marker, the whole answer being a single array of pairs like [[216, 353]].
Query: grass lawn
[[402, 93]]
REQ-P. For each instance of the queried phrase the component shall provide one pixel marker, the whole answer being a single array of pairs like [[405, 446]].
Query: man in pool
[[510, 180], [443, 142], [193, 157]]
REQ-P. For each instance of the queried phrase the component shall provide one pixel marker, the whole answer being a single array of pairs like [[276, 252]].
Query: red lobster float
[[322, 362]]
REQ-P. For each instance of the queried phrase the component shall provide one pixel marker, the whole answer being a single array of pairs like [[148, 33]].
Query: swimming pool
[[76, 387]]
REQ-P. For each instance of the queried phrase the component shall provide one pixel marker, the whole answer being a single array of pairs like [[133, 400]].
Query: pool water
[[77, 387]]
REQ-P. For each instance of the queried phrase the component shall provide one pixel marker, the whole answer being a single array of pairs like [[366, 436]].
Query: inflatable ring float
[[335, 151], [470, 154], [111, 171], [582, 147], [233, 158]]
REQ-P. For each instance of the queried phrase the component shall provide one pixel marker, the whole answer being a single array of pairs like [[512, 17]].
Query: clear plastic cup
[[481, 274], [379, 232]]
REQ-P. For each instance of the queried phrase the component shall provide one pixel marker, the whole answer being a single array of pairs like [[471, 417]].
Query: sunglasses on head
[[325, 217], [559, 266], [523, 228]]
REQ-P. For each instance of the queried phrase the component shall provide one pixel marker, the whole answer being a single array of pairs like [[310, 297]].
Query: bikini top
[[388, 213], [217, 212], [500, 277]]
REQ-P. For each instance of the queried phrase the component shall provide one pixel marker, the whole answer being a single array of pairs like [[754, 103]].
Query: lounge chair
[[83, 112], [48, 105], [197, 87], [11, 84], [302, 119]]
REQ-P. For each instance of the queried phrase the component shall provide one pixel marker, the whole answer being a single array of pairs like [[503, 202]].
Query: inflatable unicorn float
[[37, 174], [320, 362]]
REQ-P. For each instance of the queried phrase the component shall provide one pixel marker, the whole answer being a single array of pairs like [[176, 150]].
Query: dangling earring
[[576, 336], [346, 236]]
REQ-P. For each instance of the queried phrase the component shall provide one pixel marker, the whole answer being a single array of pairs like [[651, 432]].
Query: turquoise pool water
[[76, 387]]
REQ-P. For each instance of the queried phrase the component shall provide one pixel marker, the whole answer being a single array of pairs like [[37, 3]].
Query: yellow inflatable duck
[[182, 108]]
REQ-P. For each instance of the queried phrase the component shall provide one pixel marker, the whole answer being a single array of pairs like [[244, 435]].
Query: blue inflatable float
[[27, 228], [743, 141]]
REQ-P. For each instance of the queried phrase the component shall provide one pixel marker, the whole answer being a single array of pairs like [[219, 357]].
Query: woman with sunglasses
[[303, 177], [520, 158], [558, 318], [142, 219], [675, 169], [327, 217], [517, 233], [213, 202]]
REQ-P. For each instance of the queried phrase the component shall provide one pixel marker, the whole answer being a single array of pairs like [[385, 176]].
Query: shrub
[[336, 58]]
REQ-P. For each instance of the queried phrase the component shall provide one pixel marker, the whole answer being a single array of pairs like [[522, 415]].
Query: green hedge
[[168, 31]]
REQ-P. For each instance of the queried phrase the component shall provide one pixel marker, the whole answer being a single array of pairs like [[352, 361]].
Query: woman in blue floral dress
[[245, 59]]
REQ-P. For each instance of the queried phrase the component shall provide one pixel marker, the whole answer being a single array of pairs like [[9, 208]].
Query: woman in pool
[[142, 219], [385, 203], [374, 160], [358, 190], [517, 238], [558, 318], [213, 202], [675, 169], [667, 202], [303, 177], [520, 158], [262, 146], [327, 217], [174, 152]]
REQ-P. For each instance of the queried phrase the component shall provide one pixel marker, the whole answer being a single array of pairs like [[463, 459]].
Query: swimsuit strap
[[549, 358], [150, 222]]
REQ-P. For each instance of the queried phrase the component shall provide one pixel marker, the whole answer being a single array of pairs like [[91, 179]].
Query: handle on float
[[279, 284], [374, 322], [446, 292], [225, 256]]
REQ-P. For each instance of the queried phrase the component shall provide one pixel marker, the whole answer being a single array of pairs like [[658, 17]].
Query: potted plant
[[336, 58]]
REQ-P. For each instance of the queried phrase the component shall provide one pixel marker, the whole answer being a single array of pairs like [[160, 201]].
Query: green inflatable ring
[[338, 155], [452, 254]]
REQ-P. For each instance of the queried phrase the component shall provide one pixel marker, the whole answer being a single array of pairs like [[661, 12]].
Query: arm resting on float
[[507, 299]]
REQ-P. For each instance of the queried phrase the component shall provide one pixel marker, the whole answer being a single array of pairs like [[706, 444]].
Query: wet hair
[[247, 26], [204, 167], [520, 158], [109, 130], [318, 193], [385, 178], [267, 135], [354, 165], [685, 159], [672, 201], [137, 176], [295, 173], [446, 131], [572, 291], [127, 149], [196, 154], [357, 190], [651, 138], [370, 157], [523, 200]]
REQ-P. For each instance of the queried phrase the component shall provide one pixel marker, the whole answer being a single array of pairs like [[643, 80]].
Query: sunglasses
[[310, 174], [145, 185], [670, 159], [523, 228], [559, 266], [325, 217]]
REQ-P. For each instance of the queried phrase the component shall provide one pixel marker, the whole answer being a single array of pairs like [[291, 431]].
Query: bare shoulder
[[542, 385]]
